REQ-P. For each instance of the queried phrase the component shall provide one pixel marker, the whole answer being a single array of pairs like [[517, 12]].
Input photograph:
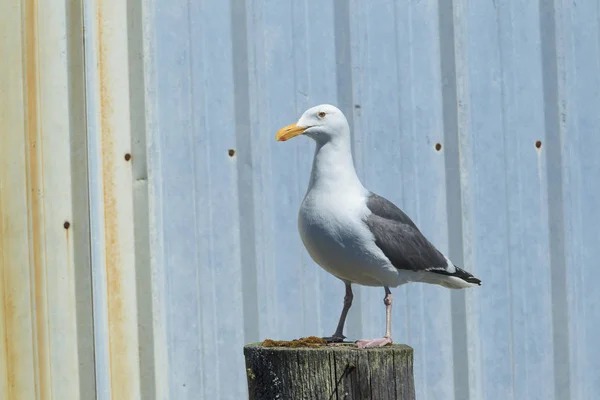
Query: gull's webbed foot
[[368, 343], [334, 339]]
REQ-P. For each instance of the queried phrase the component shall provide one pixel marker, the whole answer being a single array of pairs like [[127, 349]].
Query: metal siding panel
[[57, 186], [16, 325], [278, 277], [580, 140], [218, 219], [267, 312], [177, 206], [273, 57], [96, 212], [196, 122], [111, 199], [38, 326], [454, 213], [528, 240], [485, 199], [241, 83], [148, 359], [551, 36], [80, 228], [216, 186]]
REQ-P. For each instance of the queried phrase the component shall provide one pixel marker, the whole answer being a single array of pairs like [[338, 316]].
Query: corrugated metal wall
[[149, 127], [486, 80], [45, 322]]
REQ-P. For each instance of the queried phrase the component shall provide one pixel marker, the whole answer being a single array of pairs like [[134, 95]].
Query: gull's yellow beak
[[289, 132]]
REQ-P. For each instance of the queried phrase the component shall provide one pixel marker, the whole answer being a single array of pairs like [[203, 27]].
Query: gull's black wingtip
[[462, 274], [473, 280]]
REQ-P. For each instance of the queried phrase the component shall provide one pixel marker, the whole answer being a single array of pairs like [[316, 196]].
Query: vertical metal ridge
[[245, 181], [156, 201], [34, 193], [553, 109], [111, 199], [94, 179], [196, 121], [301, 74], [343, 55], [510, 269], [453, 193], [77, 100], [141, 216]]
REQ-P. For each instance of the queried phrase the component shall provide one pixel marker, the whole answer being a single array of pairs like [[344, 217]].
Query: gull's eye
[[321, 114]]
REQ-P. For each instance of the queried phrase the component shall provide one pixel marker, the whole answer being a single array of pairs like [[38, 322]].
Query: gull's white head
[[321, 123]]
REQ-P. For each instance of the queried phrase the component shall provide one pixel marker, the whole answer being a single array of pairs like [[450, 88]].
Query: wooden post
[[332, 372]]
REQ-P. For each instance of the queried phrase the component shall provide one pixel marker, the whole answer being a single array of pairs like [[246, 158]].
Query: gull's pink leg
[[387, 338], [338, 336]]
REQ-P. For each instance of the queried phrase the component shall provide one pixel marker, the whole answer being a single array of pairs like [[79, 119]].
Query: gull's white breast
[[332, 229]]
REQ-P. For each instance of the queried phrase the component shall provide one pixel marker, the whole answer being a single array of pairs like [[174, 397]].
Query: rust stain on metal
[[8, 308], [120, 383], [11, 353], [36, 201], [8, 302]]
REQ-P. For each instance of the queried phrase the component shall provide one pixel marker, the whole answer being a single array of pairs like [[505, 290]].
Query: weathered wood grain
[[329, 373]]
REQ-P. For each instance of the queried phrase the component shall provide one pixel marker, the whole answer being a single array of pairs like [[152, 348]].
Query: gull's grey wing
[[403, 244], [384, 208]]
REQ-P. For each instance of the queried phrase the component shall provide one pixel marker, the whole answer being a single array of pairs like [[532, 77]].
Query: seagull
[[355, 234]]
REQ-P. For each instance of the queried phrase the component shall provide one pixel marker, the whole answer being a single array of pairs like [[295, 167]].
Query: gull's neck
[[333, 169]]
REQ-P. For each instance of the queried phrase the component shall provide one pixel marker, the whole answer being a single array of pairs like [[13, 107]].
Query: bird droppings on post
[[127, 157], [231, 152], [67, 225], [438, 146], [311, 341], [538, 144]]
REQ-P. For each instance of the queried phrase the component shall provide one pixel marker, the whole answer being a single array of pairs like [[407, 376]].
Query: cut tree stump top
[[338, 371]]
